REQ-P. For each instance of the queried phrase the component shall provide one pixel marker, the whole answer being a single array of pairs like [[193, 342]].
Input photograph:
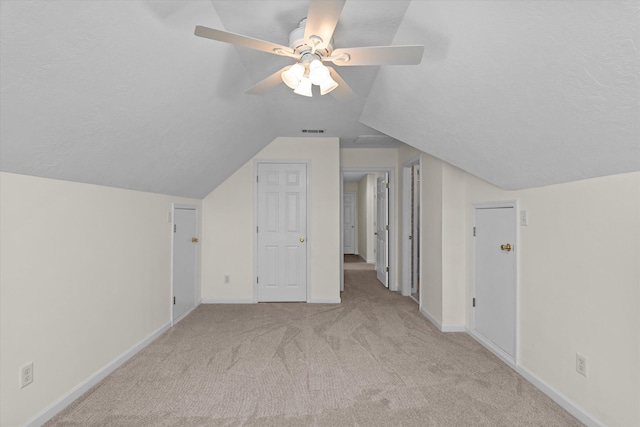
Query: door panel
[[382, 230], [184, 262], [349, 221], [495, 276], [282, 227]]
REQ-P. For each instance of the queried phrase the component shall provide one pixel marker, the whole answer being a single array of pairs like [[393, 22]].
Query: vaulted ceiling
[[520, 93]]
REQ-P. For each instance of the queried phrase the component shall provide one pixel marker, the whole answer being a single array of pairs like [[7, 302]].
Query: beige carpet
[[371, 361]]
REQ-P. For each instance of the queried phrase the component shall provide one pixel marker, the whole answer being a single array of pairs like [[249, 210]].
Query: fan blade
[[322, 19], [240, 40], [343, 92], [379, 55], [270, 82]]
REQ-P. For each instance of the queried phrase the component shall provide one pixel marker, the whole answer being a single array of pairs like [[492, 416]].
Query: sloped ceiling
[[521, 93]]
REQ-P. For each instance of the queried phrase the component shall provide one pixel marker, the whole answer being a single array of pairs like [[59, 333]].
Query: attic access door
[[281, 232], [494, 277], [185, 258]]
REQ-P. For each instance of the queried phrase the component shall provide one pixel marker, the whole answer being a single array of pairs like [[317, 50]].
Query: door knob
[[194, 240], [506, 247], [302, 239]]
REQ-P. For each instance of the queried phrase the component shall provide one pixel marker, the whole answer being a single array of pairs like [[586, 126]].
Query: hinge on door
[[474, 302], [387, 185], [387, 227], [257, 179], [257, 280], [387, 269], [174, 300], [256, 229], [174, 228], [474, 232]]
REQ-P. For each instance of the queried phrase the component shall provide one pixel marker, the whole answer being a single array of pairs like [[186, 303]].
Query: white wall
[[228, 224], [86, 275], [580, 289]]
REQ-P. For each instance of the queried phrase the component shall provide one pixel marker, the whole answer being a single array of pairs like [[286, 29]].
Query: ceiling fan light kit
[[311, 44]]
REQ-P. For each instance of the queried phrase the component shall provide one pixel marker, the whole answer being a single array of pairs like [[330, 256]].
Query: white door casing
[[415, 229], [494, 278], [349, 222], [281, 232], [184, 261], [382, 230]]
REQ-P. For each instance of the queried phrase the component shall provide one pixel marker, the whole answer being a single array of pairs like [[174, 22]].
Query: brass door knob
[[506, 247], [301, 239], [194, 240]]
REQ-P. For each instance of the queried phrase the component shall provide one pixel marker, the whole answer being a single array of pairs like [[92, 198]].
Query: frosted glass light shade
[[327, 85], [304, 88], [292, 76], [318, 74]]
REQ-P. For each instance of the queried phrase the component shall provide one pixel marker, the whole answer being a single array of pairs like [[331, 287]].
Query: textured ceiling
[[520, 93]]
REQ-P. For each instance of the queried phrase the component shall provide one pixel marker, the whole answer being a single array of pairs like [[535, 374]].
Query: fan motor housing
[[300, 46]]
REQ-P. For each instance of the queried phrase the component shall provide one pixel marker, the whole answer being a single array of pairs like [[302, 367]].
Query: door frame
[[406, 223], [355, 220], [512, 361], [392, 254], [307, 247], [198, 291]]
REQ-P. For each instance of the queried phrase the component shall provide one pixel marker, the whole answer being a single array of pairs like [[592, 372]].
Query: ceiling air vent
[[373, 139], [313, 130]]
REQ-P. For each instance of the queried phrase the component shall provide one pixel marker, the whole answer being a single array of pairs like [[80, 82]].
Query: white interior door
[[184, 261], [382, 230], [282, 232], [349, 223], [495, 276]]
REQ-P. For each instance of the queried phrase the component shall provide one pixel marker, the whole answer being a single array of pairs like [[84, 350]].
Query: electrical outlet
[[227, 279], [581, 364], [26, 375]]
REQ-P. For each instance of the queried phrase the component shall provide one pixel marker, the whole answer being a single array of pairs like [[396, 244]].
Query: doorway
[[349, 217], [185, 261], [494, 303], [367, 204], [411, 207], [281, 218], [382, 229]]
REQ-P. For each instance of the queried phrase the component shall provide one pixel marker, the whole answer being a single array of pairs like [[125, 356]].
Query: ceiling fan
[[311, 44]]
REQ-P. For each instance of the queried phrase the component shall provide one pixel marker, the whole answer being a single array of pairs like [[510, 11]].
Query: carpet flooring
[[373, 360]]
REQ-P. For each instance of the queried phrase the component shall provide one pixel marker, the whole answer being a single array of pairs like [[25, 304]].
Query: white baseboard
[[497, 351], [184, 315], [430, 318], [571, 407], [440, 326], [66, 399], [453, 328], [362, 257], [228, 301], [324, 300]]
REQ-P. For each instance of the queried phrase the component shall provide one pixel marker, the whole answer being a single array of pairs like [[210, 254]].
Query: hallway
[[372, 360]]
